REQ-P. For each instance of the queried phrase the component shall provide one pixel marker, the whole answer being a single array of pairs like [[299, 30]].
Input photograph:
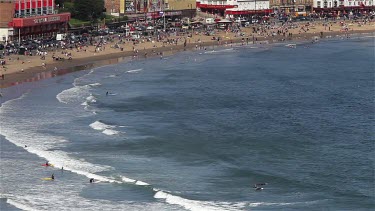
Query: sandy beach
[[20, 68]]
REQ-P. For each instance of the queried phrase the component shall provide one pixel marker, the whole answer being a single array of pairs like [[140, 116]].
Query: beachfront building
[[215, 7], [292, 7], [153, 8], [337, 7], [249, 7], [21, 19], [234, 7]]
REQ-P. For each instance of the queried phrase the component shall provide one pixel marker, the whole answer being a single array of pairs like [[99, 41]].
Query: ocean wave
[[53, 202], [24, 205], [74, 94], [195, 205], [42, 144], [105, 128]]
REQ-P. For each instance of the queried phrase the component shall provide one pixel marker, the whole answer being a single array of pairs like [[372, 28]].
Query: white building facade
[[344, 6], [234, 7], [342, 3]]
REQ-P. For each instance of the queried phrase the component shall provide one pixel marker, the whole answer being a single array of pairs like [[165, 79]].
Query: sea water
[[196, 131]]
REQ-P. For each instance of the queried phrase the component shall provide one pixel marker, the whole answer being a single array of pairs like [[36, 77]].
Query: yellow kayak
[[47, 178]]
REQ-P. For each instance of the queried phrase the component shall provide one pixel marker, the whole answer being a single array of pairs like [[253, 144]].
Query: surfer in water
[[257, 186], [106, 93], [53, 176], [91, 180], [47, 164]]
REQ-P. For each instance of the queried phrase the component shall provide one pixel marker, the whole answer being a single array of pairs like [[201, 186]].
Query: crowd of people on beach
[[174, 34]]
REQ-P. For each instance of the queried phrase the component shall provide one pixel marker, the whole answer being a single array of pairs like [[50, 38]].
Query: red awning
[[219, 7], [247, 12], [40, 20]]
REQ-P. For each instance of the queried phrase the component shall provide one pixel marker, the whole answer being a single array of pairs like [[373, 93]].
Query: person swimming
[[256, 186]]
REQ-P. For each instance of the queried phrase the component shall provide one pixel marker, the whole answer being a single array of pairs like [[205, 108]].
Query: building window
[[325, 4], [335, 4], [318, 4]]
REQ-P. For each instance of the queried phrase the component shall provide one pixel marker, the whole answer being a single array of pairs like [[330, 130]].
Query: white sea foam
[[36, 202], [91, 99], [21, 205], [128, 180], [141, 183], [134, 71], [106, 129], [110, 132], [98, 125], [194, 205], [74, 94], [219, 51], [95, 84]]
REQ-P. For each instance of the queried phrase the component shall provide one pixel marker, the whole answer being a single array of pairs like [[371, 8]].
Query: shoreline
[[38, 73]]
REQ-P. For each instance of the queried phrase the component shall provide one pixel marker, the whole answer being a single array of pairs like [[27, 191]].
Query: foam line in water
[[20, 205], [194, 205], [219, 51], [74, 94], [257, 204], [134, 71], [141, 183], [95, 84]]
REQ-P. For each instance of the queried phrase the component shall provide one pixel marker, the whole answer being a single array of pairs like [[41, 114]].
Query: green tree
[[67, 7], [88, 9]]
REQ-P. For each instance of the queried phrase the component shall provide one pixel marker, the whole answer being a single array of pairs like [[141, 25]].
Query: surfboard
[[47, 178], [47, 165]]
